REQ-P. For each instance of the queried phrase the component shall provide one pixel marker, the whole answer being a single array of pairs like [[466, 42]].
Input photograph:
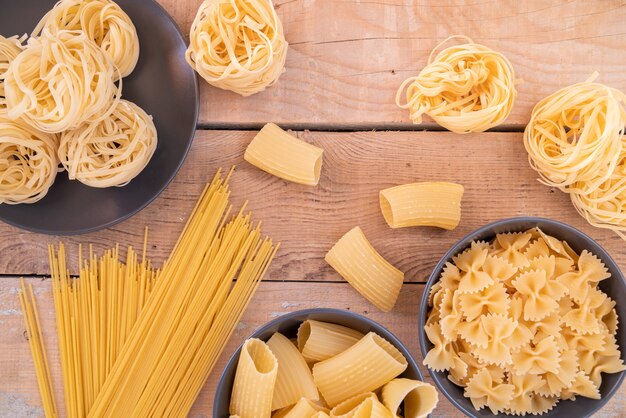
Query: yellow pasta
[[365, 366], [354, 258], [254, 381], [283, 155], [365, 405], [465, 88], [237, 45], [104, 22], [294, 379], [417, 398], [28, 162], [575, 141], [422, 204], [304, 408], [529, 326], [38, 352], [112, 151], [321, 340], [202, 291], [9, 49], [60, 81]]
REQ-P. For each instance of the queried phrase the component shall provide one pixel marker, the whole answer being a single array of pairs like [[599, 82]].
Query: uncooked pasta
[[104, 22], [575, 141], [60, 81], [28, 162], [464, 88], [9, 48], [237, 45], [110, 152]]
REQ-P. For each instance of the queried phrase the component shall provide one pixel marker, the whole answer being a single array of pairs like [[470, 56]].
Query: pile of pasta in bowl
[[521, 323], [329, 370], [61, 106]]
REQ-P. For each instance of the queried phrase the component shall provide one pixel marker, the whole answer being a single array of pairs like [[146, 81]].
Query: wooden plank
[[19, 395], [347, 58], [308, 220]]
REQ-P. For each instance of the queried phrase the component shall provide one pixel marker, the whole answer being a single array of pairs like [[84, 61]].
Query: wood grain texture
[[348, 57], [18, 388], [309, 220]]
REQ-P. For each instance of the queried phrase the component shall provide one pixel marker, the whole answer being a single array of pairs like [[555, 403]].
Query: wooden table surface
[[345, 61]]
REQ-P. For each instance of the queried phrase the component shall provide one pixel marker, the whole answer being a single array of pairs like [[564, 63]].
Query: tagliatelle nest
[[464, 88], [237, 45]]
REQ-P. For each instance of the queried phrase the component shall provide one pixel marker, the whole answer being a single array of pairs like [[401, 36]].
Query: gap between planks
[[367, 127]]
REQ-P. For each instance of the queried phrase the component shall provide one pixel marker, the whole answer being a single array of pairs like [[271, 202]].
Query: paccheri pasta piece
[[283, 155], [110, 152], [465, 88], [521, 323], [237, 45], [321, 340], [422, 204], [294, 380], [104, 22], [418, 399], [367, 365], [255, 380], [354, 258]]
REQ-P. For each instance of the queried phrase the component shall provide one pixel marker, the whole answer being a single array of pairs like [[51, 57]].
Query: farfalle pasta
[[521, 323]]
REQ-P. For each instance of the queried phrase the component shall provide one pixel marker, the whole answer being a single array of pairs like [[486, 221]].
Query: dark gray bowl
[[288, 325], [615, 287], [163, 84]]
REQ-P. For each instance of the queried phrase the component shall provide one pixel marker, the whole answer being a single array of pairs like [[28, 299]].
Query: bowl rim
[[391, 337], [463, 243]]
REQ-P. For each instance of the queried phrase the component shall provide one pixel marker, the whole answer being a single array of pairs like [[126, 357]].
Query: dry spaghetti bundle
[[9, 48], [465, 88], [60, 81], [104, 22], [28, 162], [191, 313], [237, 45], [575, 141], [110, 152], [95, 314]]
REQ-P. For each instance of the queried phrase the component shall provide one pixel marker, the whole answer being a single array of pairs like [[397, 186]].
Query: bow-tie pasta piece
[[590, 271], [492, 299], [537, 248], [470, 262], [525, 388], [450, 277], [553, 383], [498, 329], [499, 269], [441, 356], [511, 247], [537, 358], [582, 319], [582, 386], [540, 294], [484, 391], [451, 315]]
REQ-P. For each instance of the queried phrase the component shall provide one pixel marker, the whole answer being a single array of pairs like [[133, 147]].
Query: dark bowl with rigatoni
[[614, 287], [288, 325]]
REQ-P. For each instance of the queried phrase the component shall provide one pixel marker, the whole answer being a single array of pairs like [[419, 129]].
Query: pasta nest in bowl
[[9, 49], [60, 81], [464, 88], [237, 45], [110, 152], [104, 22], [28, 162]]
